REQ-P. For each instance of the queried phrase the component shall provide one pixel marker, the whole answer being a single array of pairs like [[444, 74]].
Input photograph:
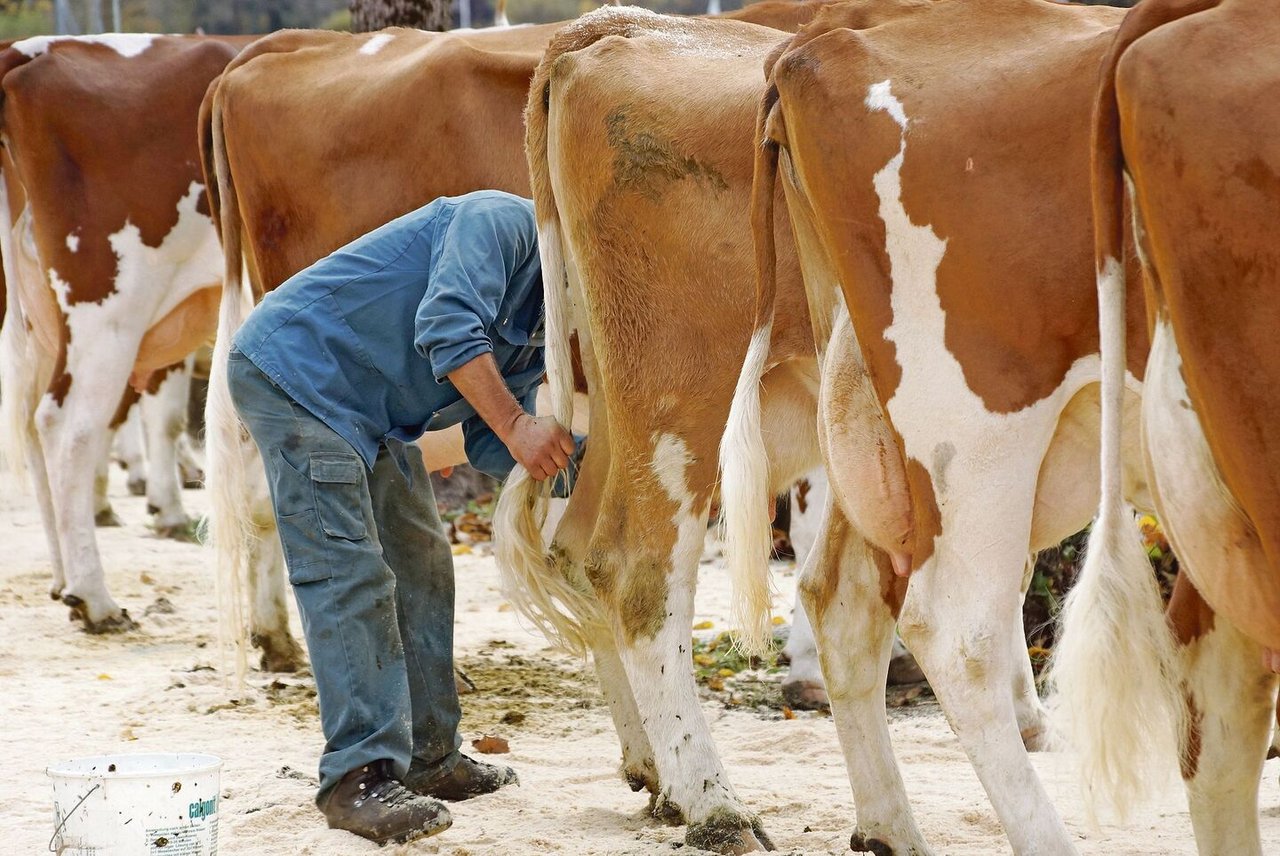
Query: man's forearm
[[482, 385]]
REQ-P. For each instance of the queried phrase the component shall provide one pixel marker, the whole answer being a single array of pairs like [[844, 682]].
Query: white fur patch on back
[[375, 44], [73, 242], [128, 45]]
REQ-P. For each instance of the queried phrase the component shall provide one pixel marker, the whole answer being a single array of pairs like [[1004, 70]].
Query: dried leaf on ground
[[490, 745]]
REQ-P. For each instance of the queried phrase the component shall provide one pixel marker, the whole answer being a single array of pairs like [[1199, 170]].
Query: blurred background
[[21, 18]]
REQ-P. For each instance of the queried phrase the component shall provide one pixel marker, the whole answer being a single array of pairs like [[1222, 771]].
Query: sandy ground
[[65, 694]]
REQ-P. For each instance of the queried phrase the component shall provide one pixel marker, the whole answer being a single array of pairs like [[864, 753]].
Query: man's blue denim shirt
[[365, 337]]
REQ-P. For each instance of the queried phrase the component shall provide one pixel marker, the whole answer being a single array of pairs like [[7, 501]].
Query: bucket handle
[[57, 833]]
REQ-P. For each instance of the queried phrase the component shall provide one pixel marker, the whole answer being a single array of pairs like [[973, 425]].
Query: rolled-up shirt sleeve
[[479, 251]]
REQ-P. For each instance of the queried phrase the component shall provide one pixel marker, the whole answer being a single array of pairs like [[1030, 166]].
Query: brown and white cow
[[936, 168], [641, 132], [1187, 115], [111, 264], [318, 138]]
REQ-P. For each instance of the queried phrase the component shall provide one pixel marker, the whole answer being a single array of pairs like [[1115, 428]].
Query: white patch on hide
[[933, 405], [375, 44], [128, 45]]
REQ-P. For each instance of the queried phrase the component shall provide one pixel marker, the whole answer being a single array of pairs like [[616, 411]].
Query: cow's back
[[329, 137], [91, 131]]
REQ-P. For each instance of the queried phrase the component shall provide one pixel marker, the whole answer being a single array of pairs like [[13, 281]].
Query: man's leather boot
[[370, 802], [469, 778]]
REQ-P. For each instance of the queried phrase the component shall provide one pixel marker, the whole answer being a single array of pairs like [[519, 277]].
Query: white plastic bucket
[[136, 805]]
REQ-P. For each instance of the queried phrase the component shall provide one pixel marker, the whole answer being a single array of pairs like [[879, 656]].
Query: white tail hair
[[17, 375], [744, 462], [228, 448], [1115, 668], [744, 498], [534, 583]]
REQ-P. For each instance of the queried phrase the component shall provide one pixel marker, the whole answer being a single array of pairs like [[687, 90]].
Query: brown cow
[[320, 137], [1187, 114], [935, 162], [111, 266]]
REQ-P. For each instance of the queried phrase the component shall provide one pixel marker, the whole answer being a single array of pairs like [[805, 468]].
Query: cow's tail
[[18, 379], [540, 588], [228, 449], [1118, 694], [744, 464], [17, 375]]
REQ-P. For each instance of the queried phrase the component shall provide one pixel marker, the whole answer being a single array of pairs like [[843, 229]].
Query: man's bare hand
[[540, 444]]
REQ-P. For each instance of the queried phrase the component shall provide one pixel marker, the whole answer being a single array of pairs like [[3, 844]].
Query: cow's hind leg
[[958, 618], [571, 527], [269, 612], [24, 374], [131, 451], [1033, 719], [638, 766], [164, 416], [268, 607], [849, 589], [73, 420], [103, 514], [651, 597], [1231, 698], [803, 688]]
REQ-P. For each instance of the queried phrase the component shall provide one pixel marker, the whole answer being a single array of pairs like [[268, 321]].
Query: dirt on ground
[[164, 688]]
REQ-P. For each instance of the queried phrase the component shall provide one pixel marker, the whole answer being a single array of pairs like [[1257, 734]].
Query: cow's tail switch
[[1115, 670], [18, 377], [744, 464], [19, 391], [538, 587], [228, 447]]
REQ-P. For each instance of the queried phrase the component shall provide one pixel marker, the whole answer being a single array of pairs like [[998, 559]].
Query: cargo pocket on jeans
[[338, 482]]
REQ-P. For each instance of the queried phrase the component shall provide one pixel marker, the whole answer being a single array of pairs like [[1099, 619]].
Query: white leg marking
[[659, 667]]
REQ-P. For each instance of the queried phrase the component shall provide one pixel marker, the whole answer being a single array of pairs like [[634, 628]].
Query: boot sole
[[418, 834]]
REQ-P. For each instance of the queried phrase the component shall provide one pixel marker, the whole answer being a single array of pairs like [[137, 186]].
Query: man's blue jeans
[[372, 572]]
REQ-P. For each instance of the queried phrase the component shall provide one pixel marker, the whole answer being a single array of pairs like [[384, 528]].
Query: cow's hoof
[[137, 487], [196, 483], [665, 811], [114, 622], [107, 517], [184, 532], [279, 654], [1036, 739], [805, 695], [903, 669], [860, 843], [641, 776], [728, 833]]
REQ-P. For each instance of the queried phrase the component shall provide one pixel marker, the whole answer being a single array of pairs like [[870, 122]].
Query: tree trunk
[[369, 15]]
